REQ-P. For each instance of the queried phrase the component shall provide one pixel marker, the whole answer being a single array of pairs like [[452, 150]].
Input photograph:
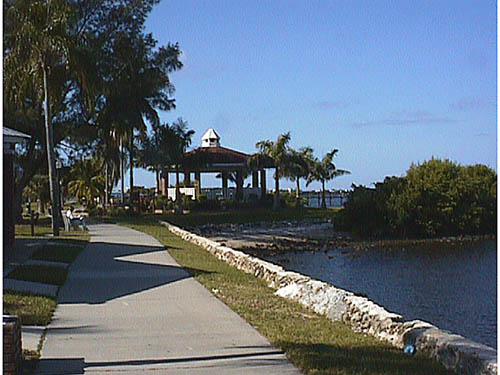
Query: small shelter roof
[[215, 159], [13, 136], [218, 156]]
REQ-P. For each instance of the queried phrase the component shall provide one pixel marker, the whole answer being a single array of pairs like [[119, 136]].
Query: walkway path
[[128, 308]]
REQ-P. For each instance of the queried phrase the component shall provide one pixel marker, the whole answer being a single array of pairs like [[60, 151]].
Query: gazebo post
[[263, 187], [224, 184], [197, 178], [187, 179], [255, 179], [239, 185], [164, 184]]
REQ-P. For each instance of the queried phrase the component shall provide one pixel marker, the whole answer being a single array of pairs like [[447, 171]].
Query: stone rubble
[[453, 351]]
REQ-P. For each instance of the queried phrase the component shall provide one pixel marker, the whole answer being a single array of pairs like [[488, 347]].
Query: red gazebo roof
[[218, 155]]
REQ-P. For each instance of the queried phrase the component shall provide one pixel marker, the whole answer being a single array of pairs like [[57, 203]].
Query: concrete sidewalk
[[128, 307]]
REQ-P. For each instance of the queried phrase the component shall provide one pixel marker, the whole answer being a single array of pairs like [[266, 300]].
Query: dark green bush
[[160, 202], [97, 211], [117, 211], [436, 198]]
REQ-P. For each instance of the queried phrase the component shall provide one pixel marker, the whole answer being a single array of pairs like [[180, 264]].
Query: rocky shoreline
[[453, 351], [269, 239]]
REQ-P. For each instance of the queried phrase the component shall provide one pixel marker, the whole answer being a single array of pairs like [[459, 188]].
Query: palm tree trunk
[[297, 193], [276, 204], [49, 135], [157, 182], [122, 170], [323, 198], [106, 197], [131, 153]]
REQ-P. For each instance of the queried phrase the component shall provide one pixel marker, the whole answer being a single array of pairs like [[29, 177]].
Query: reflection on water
[[454, 289]]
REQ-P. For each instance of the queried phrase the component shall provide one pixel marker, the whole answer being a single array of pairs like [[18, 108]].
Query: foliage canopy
[[435, 198]]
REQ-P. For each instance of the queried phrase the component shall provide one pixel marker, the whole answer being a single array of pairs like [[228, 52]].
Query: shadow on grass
[[330, 359], [67, 241], [60, 250], [39, 274]]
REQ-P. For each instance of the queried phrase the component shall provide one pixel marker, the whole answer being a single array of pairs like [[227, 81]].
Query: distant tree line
[[435, 198]]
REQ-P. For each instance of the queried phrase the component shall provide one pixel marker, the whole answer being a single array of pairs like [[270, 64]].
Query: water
[[454, 289]]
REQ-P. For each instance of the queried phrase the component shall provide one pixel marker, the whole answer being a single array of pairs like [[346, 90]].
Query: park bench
[[68, 223]]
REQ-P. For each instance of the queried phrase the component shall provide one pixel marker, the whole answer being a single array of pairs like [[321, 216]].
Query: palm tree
[[325, 171], [299, 166], [177, 148], [140, 87], [154, 154], [278, 154], [36, 44], [87, 181], [38, 189]]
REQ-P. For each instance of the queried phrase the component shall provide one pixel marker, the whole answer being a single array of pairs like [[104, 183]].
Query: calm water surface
[[454, 289]]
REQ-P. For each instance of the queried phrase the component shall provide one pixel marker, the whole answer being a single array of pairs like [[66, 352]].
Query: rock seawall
[[453, 351]]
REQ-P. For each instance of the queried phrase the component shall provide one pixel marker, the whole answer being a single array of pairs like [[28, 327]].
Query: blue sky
[[387, 83]]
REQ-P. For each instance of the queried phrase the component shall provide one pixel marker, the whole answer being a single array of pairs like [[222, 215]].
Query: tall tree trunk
[[106, 197], [157, 182], [276, 204], [131, 153], [49, 135], [110, 186], [297, 193], [122, 171], [323, 198]]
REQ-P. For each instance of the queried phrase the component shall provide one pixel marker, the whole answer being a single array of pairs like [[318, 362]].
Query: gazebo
[[211, 157]]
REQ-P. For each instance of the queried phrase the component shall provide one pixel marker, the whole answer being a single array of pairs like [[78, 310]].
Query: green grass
[[31, 309], [60, 250], [42, 228], [312, 342], [34, 309], [40, 274]]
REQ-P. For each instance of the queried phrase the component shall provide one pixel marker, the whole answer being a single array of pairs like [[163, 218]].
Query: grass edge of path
[[313, 343], [39, 309]]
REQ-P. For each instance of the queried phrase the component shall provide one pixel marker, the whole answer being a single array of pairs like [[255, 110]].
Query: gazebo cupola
[[210, 139]]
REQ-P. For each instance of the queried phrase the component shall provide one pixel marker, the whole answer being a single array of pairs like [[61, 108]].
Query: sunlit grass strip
[[312, 342], [40, 230], [31, 309]]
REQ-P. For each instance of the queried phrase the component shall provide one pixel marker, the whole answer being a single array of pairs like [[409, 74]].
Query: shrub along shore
[[436, 198]]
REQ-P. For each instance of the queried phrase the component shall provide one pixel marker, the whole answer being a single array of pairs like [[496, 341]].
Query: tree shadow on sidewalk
[[106, 271], [76, 366]]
